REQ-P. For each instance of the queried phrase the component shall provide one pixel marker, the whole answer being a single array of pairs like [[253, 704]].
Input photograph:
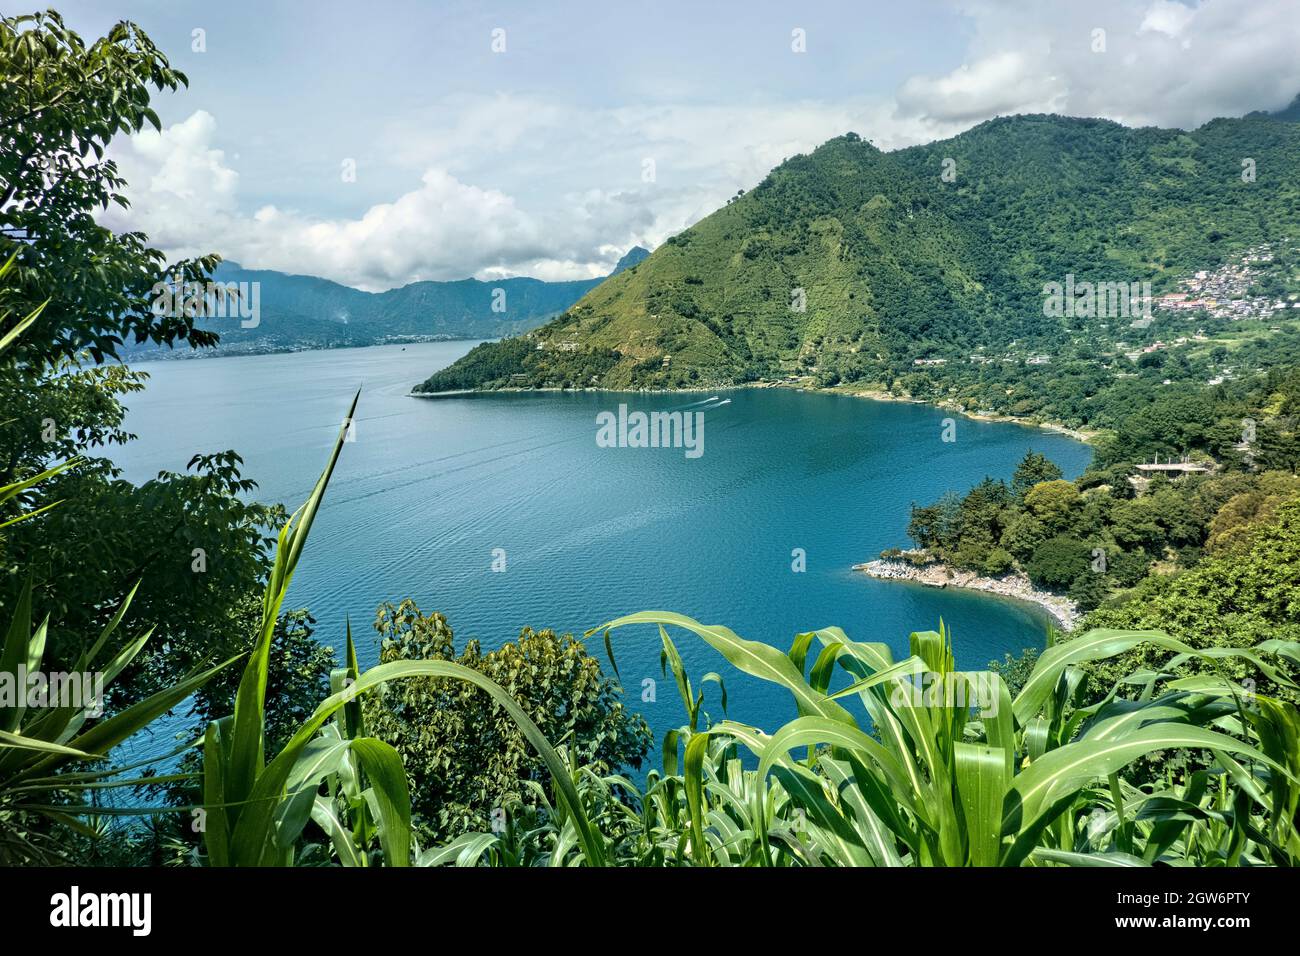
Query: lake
[[434, 492]]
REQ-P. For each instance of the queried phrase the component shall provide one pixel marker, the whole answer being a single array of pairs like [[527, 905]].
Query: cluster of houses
[[1159, 344], [568, 345], [1223, 292], [978, 359]]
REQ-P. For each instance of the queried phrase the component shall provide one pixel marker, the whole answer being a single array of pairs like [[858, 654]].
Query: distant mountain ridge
[[634, 256], [301, 312], [854, 265]]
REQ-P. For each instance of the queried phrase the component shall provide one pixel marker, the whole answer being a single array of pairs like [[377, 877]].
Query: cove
[[758, 533]]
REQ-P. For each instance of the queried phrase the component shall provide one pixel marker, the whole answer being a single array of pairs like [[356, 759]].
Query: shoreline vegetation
[[1082, 435], [1014, 584], [876, 395]]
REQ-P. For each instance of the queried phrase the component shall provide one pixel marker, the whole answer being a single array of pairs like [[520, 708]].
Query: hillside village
[[1231, 291]]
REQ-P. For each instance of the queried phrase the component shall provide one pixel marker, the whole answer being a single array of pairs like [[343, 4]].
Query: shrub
[[999, 561], [464, 756], [1058, 561]]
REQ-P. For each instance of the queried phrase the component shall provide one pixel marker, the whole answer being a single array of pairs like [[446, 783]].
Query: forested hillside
[[850, 265]]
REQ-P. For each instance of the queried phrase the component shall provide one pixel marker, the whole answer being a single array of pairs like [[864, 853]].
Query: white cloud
[[1168, 17], [178, 180], [597, 204], [1164, 63], [585, 169], [521, 183], [1006, 82], [432, 232], [184, 196]]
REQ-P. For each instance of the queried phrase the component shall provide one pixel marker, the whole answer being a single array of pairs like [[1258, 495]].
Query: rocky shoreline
[[1013, 585]]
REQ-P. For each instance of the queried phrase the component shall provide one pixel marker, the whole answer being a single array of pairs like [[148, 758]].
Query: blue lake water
[[431, 489]]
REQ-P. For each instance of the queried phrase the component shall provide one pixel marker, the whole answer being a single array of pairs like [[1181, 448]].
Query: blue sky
[[537, 160]]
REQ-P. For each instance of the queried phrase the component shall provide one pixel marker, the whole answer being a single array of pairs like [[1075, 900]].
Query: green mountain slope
[[898, 262]]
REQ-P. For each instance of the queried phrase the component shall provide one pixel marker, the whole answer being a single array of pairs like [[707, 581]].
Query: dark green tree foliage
[[1032, 469], [1235, 600], [61, 101], [1169, 526], [517, 363], [193, 540], [1015, 669], [463, 754], [1058, 561], [297, 680]]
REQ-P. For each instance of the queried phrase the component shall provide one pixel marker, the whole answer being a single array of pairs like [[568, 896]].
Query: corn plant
[[928, 784], [255, 810], [39, 745]]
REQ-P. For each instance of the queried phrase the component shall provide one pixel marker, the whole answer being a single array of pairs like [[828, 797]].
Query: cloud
[[177, 179], [1161, 63], [436, 231], [656, 170], [1167, 17], [527, 182], [1007, 82], [184, 196], [613, 177]]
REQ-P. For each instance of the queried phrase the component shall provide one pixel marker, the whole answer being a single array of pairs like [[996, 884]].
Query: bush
[[464, 756], [1058, 561], [1129, 567], [999, 561], [1089, 590], [1015, 670]]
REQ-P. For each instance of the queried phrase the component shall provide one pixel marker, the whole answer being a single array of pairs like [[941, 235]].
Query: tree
[[1023, 534], [1016, 669], [1235, 523], [1033, 468], [62, 101], [464, 756], [1238, 599], [925, 525], [193, 543], [997, 561], [936, 526], [1058, 561], [1089, 589], [1053, 502], [193, 540]]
